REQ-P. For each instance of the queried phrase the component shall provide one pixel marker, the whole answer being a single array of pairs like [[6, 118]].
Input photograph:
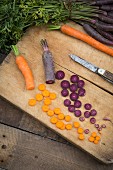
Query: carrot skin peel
[[24, 68], [68, 30]]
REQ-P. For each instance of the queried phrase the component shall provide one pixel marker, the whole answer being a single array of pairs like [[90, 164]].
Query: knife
[[101, 72]]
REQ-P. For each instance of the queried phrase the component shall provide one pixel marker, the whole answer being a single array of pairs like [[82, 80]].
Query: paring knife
[[103, 73]]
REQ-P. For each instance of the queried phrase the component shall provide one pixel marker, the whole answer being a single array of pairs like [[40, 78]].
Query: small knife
[[101, 72]]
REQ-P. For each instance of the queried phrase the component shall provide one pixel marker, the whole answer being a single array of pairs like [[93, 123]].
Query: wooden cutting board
[[12, 86]]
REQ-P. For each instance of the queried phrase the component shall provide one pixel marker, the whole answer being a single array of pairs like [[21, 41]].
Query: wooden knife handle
[[108, 75]]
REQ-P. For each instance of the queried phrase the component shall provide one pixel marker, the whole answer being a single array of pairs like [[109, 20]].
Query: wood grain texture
[[30, 151], [101, 100], [9, 114]]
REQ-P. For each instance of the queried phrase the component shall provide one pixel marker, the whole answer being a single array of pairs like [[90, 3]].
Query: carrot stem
[[15, 50]]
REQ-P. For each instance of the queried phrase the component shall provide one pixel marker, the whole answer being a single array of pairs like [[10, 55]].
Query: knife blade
[[100, 71]]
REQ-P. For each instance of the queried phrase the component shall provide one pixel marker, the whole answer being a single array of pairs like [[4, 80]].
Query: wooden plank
[[27, 151], [9, 114], [100, 100]]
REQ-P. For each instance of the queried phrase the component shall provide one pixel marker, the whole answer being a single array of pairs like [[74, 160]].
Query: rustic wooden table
[[27, 144]]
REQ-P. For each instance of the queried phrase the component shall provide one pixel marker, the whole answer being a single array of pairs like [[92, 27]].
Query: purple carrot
[[93, 33], [48, 63], [102, 2], [106, 19], [110, 13], [107, 35], [103, 26], [106, 7]]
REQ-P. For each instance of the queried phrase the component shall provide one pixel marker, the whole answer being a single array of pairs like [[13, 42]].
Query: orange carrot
[[68, 30], [24, 68]]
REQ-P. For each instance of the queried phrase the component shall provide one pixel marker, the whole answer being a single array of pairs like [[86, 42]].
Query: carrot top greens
[[17, 15]]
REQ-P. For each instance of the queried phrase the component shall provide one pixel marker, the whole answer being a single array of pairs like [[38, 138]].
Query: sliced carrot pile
[[53, 120], [45, 93], [32, 102], [68, 126], [52, 96], [41, 87], [67, 118], [39, 97], [45, 108], [47, 101], [50, 112], [94, 138], [61, 116]]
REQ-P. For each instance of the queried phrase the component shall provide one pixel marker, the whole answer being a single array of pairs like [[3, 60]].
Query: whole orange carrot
[[24, 68], [68, 30]]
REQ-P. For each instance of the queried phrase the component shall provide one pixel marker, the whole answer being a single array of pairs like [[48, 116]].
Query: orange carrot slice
[[52, 96], [45, 93], [39, 97], [76, 124], [41, 87], [47, 101], [61, 116], [32, 102], [53, 120], [67, 118], [45, 108], [50, 112], [68, 126]]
